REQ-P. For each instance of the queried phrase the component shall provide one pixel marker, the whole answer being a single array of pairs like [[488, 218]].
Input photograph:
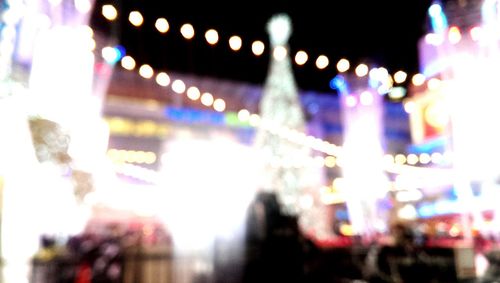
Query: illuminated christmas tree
[[288, 168]]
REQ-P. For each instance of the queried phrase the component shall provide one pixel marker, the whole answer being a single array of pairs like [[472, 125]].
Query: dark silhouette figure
[[274, 244]]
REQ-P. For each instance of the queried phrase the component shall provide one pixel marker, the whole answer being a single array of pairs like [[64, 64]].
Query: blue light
[[339, 83], [439, 22], [121, 50]]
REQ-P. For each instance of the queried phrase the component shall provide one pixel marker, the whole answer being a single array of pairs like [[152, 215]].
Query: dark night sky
[[383, 33]]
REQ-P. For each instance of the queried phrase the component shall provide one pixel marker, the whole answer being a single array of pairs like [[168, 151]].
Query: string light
[[235, 42], [187, 31], [258, 47], [301, 57], [212, 36], [162, 25], [332, 150], [135, 18], [109, 12], [322, 62]]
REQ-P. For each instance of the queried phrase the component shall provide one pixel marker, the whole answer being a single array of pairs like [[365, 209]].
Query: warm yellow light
[[400, 77], [207, 99], [187, 31], [162, 25], [418, 79], [178, 86], [361, 70], [146, 71], [412, 159], [128, 63], [243, 115], [235, 42], [258, 47], [219, 105], [162, 79], [301, 57], [322, 62], [343, 65], [193, 93], [212, 36], [454, 35], [280, 53], [330, 161], [400, 159], [109, 12], [135, 18]]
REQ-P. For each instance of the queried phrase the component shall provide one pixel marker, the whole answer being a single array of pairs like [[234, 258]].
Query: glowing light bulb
[[400, 77], [109, 12], [162, 79], [418, 79], [128, 63], [207, 99], [146, 71], [343, 65], [235, 42], [212, 36], [162, 25], [135, 18], [193, 93], [322, 62], [219, 105], [301, 58], [258, 48], [178, 86], [361, 70], [187, 31], [243, 115]]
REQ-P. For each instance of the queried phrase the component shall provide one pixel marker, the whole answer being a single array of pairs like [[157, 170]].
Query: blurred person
[[274, 243]]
